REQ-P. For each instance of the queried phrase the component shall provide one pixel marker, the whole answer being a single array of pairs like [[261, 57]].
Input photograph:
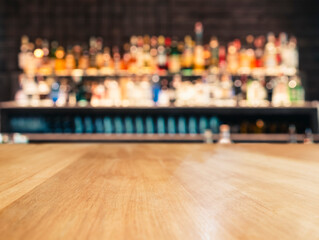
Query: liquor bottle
[[139, 55], [224, 137], [54, 47], [147, 59], [125, 62], [164, 97], [256, 93], [259, 126], [250, 52], [162, 56], [84, 61], [60, 61], [139, 125], [116, 59], [226, 87], [156, 88], [247, 56], [171, 125], [108, 126], [293, 61], [214, 48], [99, 58], [55, 88], [38, 54], [128, 123], [43, 88], [149, 125], [160, 124], [23, 55], [153, 53], [308, 136], [30, 88], [292, 134], [280, 96], [232, 59], [282, 50], [63, 92], [203, 124], [108, 68], [133, 54], [93, 52], [30, 67], [296, 91], [201, 92], [174, 58], [207, 56], [181, 125], [78, 125], [187, 59], [99, 125], [237, 88], [88, 125], [70, 60], [214, 124], [222, 59], [20, 97], [199, 64], [145, 98], [46, 67], [259, 52], [270, 59], [77, 51], [118, 125], [192, 125], [113, 92], [98, 94]]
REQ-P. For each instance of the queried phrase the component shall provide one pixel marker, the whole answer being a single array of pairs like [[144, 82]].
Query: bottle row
[[152, 90], [116, 125], [269, 55], [119, 124]]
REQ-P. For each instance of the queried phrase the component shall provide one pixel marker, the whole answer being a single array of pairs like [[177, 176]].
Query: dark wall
[[70, 21]]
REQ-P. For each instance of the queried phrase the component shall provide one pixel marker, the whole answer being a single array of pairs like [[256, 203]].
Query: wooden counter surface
[[159, 191]]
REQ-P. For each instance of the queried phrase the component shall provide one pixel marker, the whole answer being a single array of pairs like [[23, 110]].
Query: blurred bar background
[[75, 21], [246, 106]]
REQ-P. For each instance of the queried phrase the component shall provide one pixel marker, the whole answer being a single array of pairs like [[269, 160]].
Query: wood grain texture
[[159, 191]]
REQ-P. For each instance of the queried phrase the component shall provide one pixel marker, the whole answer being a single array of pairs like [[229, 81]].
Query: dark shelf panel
[[306, 115]]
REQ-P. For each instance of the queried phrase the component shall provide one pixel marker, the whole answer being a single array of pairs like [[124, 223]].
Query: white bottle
[[224, 135]]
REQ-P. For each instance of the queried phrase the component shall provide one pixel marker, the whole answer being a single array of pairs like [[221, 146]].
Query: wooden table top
[[159, 191]]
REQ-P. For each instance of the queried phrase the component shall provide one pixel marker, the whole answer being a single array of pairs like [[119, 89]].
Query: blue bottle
[[203, 125], [99, 125], [108, 126], [66, 125], [55, 88], [160, 125], [156, 89], [118, 125], [128, 125], [214, 125], [171, 125], [192, 125], [88, 125], [139, 126], [149, 125], [181, 125]]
